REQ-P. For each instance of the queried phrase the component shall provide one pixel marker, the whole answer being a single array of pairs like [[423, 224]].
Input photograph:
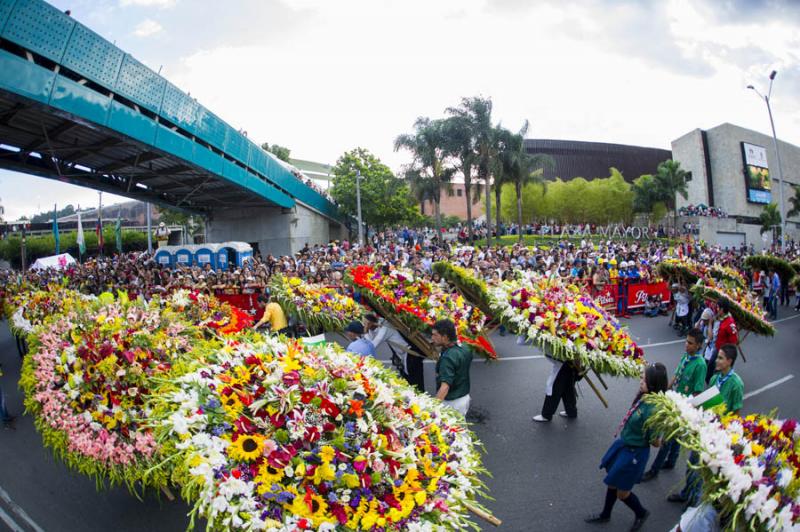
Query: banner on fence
[[639, 292]]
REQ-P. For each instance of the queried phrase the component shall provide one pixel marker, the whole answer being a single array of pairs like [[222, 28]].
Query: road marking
[[768, 386], [10, 523], [19, 511], [475, 360], [784, 319]]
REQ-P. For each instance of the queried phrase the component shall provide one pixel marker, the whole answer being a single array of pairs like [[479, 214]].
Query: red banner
[[639, 292], [606, 296], [245, 302]]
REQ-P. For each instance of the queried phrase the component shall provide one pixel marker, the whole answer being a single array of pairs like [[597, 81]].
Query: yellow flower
[[246, 448], [324, 472], [327, 454], [267, 476], [757, 449], [232, 405]]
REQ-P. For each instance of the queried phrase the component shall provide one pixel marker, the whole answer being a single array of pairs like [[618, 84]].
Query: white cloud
[[146, 28], [160, 4]]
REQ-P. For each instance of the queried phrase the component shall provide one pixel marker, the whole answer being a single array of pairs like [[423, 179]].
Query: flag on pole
[[80, 240], [118, 231], [55, 229], [99, 232]]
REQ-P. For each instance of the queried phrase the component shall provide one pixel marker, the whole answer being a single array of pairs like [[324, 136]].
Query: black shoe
[[597, 518], [676, 497], [649, 475], [9, 423], [639, 521], [668, 467]]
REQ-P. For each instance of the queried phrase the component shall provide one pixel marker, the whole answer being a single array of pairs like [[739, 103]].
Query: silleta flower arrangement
[[691, 271], [273, 435], [472, 287], [321, 308], [750, 466], [206, 311], [567, 325], [86, 379], [419, 304], [744, 307]]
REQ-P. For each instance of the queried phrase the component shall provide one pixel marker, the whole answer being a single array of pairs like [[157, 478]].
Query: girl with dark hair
[[626, 459]]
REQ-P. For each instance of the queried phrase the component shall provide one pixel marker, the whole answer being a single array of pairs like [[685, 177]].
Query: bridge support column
[[272, 229]]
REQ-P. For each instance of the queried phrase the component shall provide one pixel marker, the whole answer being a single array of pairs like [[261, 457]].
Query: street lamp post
[[358, 206], [777, 155]]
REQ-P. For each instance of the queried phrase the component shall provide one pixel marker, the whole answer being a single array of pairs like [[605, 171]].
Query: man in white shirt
[[409, 366]]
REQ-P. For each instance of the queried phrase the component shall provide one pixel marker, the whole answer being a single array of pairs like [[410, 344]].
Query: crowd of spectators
[[702, 210]]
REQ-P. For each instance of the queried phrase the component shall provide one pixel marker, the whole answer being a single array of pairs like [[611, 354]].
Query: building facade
[[735, 170]]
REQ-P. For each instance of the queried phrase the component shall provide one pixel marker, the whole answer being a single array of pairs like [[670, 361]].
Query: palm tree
[[795, 202], [671, 181], [770, 219], [461, 147], [428, 148], [475, 115], [515, 165]]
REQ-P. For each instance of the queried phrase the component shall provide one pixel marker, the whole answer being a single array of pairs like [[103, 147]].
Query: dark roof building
[[591, 160]]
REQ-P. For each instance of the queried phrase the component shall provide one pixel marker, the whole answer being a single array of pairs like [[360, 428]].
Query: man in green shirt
[[731, 388], [730, 385], [689, 379], [452, 368]]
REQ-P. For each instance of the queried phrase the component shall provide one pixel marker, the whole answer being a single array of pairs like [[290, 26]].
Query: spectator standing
[[358, 344]]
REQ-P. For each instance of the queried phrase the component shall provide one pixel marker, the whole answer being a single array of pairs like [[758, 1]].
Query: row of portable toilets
[[219, 256]]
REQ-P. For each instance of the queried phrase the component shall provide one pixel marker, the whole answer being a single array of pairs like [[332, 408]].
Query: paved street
[[546, 477]]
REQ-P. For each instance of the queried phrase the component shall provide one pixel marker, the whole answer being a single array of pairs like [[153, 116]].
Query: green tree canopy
[[770, 218], [277, 150], [385, 199]]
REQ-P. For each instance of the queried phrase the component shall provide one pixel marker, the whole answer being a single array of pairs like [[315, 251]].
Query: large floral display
[[567, 324], [275, 435], [749, 465], [256, 432], [87, 379], [319, 307], [203, 310], [690, 271], [419, 304], [770, 262], [743, 306], [472, 287]]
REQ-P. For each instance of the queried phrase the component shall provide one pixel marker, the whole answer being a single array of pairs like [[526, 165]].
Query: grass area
[[550, 240]]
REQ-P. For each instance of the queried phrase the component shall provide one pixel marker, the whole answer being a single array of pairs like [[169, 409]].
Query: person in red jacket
[[727, 334]]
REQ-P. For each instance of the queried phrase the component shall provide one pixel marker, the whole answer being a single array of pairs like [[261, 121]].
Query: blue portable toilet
[[184, 256], [223, 257], [164, 257], [243, 252], [206, 254]]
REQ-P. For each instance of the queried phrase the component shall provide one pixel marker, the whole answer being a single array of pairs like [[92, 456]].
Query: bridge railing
[[101, 82]]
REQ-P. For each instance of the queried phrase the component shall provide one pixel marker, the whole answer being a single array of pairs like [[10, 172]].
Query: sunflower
[[267, 476], [247, 447], [232, 405]]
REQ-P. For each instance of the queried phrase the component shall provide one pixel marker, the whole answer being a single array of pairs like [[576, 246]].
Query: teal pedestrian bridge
[[76, 108]]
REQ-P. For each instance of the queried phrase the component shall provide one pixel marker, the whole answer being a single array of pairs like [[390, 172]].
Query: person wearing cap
[[452, 368], [358, 344], [162, 235]]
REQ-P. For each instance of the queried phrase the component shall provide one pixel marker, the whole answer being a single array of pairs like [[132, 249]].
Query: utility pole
[[358, 206], [149, 230]]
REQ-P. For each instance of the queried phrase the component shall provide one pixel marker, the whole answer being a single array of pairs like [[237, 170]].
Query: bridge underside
[[36, 140]]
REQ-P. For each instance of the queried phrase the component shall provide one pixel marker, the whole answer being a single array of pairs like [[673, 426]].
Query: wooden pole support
[[486, 516], [167, 493], [596, 391], [602, 382]]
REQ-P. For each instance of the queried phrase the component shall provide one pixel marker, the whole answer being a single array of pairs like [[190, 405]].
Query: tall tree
[[461, 145], [794, 201], [770, 219], [277, 150], [670, 181], [475, 114], [385, 199], [518, 167], [429, 149]]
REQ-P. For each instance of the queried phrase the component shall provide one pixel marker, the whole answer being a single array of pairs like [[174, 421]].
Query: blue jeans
[[694, 484], [667, 455]]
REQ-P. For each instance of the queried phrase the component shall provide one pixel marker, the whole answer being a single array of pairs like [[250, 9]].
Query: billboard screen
[[756, 173]]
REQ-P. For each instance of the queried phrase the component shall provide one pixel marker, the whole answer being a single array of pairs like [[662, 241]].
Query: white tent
[[58, 262]]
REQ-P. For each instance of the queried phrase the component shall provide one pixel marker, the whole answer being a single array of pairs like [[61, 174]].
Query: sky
[[323, 77]]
